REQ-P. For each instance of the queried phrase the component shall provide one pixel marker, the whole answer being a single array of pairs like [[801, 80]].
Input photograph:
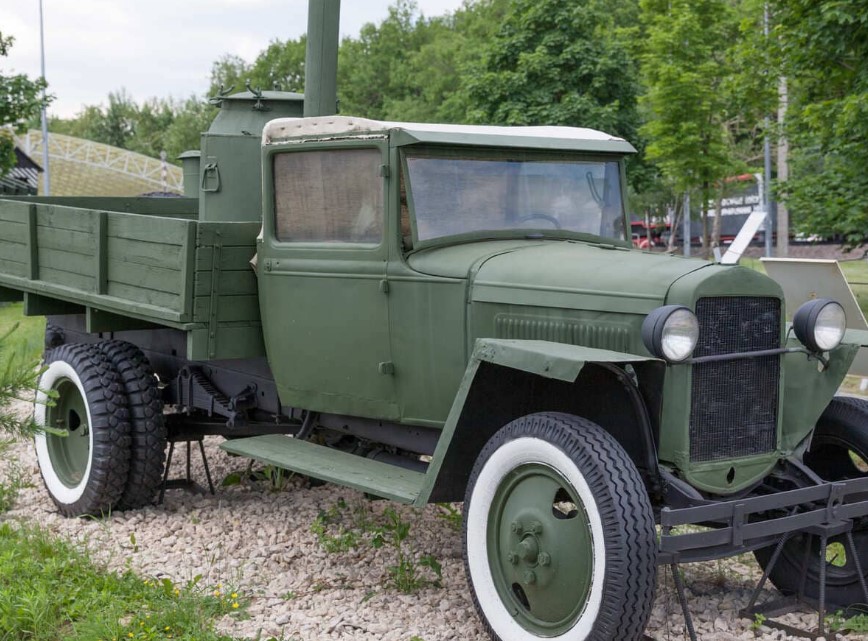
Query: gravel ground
[[258, 543]]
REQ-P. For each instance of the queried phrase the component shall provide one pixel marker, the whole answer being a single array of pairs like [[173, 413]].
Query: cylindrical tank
[[190, 164], [230, 177]]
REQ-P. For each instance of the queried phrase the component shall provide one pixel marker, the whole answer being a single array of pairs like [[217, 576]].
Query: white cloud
[[160, 47]]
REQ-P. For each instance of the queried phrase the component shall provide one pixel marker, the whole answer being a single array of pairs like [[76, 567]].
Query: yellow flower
[[167, 628], [234, 596], [217, 593], [235, 605], [130, 635]]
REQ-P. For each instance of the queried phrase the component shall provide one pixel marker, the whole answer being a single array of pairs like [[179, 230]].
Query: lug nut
[[544, 559], [536, 527], [512, 558], [529, 578], [515, 527]]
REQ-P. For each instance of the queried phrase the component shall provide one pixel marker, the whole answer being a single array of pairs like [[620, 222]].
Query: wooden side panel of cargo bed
[[129, 264], [226, 298]]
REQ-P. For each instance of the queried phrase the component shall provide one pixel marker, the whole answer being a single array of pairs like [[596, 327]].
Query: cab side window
[[329, 196]]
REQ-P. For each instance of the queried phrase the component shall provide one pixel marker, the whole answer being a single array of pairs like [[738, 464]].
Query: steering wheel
[[554, 221]]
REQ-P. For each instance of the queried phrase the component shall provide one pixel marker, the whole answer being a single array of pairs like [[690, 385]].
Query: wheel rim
[[834, 459], [540, 549], [70, 451]]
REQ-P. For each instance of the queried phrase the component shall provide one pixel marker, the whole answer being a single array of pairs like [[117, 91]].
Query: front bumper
[[742, 525]]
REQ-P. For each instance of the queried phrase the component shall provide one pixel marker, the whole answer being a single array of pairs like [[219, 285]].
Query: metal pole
[[321, 59], [767, 158], [686, 223], [46, 184]]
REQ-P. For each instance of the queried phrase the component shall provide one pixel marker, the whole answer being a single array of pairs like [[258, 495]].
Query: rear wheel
[[147, 428], [84, 465], [839, 451], [559, 538]]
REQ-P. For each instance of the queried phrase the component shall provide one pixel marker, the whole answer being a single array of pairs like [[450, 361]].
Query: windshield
[[453, 196]]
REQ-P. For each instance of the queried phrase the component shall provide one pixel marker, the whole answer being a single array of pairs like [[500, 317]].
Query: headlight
[[820, 324], [670, 332]]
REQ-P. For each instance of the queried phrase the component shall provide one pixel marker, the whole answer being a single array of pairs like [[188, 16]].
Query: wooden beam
[[8, 295], [36, 305], [97, 321]]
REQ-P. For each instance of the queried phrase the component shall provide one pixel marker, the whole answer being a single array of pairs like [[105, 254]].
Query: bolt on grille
[[734, 403]]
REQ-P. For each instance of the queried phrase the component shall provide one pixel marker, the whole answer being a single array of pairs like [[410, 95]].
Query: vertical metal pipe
[[767, 159], [321, 62], [686, 223], [46, 178]]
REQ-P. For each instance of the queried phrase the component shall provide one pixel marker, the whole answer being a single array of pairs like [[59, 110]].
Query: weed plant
[[50, 589], [341, 528]]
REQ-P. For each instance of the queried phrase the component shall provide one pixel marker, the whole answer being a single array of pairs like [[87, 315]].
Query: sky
[[156, 48]]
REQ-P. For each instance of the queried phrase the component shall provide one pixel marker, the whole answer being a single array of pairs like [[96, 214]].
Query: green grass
[[26, 341], [50, 589]]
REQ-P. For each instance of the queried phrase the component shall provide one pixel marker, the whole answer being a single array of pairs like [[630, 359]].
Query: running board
[[329, 464]]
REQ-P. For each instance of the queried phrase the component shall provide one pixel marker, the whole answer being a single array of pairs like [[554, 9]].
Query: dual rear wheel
[[103, 447]]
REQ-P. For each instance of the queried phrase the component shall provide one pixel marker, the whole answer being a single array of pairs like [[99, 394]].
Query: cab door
[[322, 265]]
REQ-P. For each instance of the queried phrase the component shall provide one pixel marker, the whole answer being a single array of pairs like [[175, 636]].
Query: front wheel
[[559, 538], [84, 458], [839, 451]]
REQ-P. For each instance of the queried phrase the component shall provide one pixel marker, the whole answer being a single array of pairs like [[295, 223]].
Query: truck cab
[[374, 234]]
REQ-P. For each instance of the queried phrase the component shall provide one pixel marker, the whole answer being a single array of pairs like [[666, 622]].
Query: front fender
[[494, 391]]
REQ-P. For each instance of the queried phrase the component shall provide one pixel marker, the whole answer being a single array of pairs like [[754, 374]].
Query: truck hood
[[562, 274]]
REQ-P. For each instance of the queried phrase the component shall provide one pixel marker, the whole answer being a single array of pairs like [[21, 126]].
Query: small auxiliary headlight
[[820, 324], [671, 332]]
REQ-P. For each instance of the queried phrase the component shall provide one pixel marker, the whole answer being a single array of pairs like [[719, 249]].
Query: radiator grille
[[734, 403]]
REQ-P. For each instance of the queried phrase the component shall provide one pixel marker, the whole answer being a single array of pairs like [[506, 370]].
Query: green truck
[[448, 313]]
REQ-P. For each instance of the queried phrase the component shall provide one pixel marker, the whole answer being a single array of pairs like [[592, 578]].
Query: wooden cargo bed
[[135, 270]]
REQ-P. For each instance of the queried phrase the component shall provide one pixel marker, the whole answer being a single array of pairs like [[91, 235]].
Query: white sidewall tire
[[57, 371], [507, 457]]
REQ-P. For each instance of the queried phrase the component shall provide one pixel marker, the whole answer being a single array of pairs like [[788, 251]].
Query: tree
[[557, 63], [685, 64], [823, 52], [20, 100], [18, 379]]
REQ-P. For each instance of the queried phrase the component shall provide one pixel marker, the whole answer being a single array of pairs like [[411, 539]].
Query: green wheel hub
[[70, 451], [540, 549]]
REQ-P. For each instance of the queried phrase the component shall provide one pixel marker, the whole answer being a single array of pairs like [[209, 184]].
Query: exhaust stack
[[321, 61]]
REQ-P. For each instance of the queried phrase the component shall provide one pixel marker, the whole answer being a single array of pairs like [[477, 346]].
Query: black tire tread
[[628, 520], [109, 425], [147, 427]]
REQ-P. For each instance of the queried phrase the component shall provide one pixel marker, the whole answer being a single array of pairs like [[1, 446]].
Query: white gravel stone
[[258, 542]]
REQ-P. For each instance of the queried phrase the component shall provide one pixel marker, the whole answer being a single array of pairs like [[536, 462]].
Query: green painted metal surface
[[321, 59], [328, 464], [551, 360], [534, 546], [69, 448]]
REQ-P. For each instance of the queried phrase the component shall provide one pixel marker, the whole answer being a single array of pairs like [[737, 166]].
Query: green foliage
[[684, 64], [758, 621], [557, 63], [20, 100], [406, 574], [854, 619], [49, 589], [451, 514], [342, 528], [824, 56], [18, 378]]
